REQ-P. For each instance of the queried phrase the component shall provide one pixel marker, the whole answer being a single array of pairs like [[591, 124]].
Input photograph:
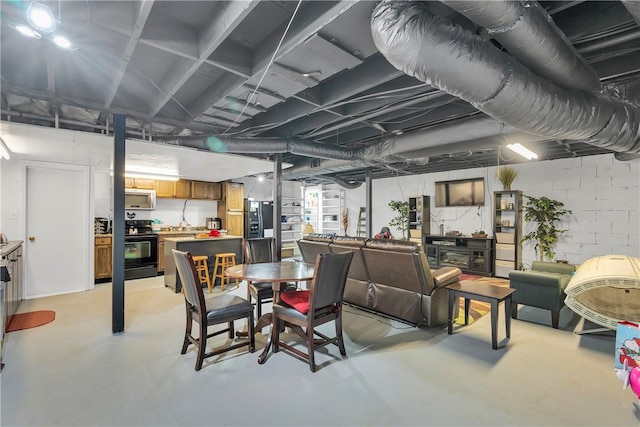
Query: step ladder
[[362, 223]]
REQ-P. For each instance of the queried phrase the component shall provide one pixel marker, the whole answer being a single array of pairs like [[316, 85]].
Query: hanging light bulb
[[41, 18]]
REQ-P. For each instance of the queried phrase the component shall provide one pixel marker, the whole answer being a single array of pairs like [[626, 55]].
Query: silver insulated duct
[[446, 56], [527, 31]]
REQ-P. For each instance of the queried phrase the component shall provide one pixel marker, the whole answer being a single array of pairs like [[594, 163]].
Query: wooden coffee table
[[470, 289]]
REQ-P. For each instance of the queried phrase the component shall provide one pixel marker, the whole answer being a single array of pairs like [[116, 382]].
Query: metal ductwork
[[529, 34], [473, 133], [429, 48], [342, 183], [633, 6], [221, 144]]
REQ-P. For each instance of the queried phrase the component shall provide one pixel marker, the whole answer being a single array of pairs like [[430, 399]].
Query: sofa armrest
[[553, 267], [540, 278], [445, 276]]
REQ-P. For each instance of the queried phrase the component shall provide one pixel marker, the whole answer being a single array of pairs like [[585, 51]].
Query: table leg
[[507, 318], [277, 288], [263, 321], [467, 306], [494, 324], [452, 300]]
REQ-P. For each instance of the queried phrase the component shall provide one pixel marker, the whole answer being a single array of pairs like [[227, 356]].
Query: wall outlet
[[13, 214]]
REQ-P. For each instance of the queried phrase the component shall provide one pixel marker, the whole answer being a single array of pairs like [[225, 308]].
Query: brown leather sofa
[[390, 277]]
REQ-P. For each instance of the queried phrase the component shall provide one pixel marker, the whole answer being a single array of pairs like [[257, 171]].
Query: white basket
[[505, 238]]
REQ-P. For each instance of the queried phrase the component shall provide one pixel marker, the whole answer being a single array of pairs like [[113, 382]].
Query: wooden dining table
[[278, 273]]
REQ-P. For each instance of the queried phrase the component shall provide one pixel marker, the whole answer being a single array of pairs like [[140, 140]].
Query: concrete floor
[[75, 372]]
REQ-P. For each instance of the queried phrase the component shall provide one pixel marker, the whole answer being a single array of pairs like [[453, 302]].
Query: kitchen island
[[208, 246]]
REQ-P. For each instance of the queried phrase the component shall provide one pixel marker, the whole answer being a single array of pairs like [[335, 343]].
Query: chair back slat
[[327, 286], [189, 277], [260, 249]]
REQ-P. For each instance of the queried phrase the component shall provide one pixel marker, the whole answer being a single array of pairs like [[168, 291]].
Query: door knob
[[32, 238]]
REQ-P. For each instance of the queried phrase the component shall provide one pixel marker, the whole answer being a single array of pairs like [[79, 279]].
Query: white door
[[57, 226]]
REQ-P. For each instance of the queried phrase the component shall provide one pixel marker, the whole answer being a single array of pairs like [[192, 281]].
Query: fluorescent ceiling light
[[27, 31], [4, 151], [312, 73], [151, 176], [41, 18], [523, 151]]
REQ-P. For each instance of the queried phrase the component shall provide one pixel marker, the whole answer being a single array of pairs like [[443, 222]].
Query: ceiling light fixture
[[26, 31], [4, 151], [62, 42], [523, 151], [41, 18], [312, 73], [151, 176]]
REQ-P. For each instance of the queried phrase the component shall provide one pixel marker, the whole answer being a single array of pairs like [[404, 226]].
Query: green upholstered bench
[[542, 287]]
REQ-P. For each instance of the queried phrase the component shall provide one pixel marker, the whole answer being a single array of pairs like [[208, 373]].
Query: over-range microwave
[[139, 199]]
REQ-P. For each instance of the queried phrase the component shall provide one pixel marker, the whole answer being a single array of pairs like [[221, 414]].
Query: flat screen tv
[[462, 192]]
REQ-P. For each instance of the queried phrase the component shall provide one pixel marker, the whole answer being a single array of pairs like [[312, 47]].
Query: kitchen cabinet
[[507, 227], [233, 195], [231, 208], [102, 257], [141, 183], [161, 237], [182, 189], [11, 290], [234, 223], [206, 190], [165, 188]]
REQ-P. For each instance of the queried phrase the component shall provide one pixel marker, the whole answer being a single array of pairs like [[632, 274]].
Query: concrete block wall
[[602, 193]]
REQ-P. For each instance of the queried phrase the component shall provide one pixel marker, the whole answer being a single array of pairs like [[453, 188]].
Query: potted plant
[[545, 212], [401, 220], [506, 175]]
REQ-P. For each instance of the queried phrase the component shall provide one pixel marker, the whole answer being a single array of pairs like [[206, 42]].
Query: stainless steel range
[[140, 250]]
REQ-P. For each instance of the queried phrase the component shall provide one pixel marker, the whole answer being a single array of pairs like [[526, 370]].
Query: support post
[[117, 289]]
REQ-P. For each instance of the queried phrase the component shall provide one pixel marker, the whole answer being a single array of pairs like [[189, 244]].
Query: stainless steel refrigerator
[[258, 218]]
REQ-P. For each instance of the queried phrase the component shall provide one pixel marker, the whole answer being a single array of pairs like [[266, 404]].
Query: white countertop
[[197, 239]]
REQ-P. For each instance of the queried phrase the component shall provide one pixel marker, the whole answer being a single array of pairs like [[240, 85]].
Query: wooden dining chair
[[258, 250], [208, 311], [311, 308]]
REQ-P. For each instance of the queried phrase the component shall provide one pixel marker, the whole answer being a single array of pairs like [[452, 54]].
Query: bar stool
[[202, 267], [224, 260]]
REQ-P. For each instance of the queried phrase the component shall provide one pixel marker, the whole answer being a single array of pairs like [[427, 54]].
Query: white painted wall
[[603, 193]]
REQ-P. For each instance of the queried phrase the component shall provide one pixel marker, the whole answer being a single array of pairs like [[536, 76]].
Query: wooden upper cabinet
[[234, 196], [182, 189], [164, 188], [142, 183], [206, 190]]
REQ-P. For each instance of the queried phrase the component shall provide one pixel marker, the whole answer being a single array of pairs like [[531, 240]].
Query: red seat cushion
[[297, 299]]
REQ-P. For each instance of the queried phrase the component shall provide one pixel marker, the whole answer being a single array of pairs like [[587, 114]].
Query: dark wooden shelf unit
[[471, 255]]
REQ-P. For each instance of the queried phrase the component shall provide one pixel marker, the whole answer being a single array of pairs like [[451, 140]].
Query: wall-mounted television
[[461, 192]]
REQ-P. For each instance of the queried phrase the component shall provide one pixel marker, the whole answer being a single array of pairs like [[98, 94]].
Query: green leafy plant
[[401, 220], [546, 213], [506, 175]]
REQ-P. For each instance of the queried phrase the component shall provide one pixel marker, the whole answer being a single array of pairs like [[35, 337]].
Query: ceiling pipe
[[633, 6], [429, 48], [529, 34], [342, 183]]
